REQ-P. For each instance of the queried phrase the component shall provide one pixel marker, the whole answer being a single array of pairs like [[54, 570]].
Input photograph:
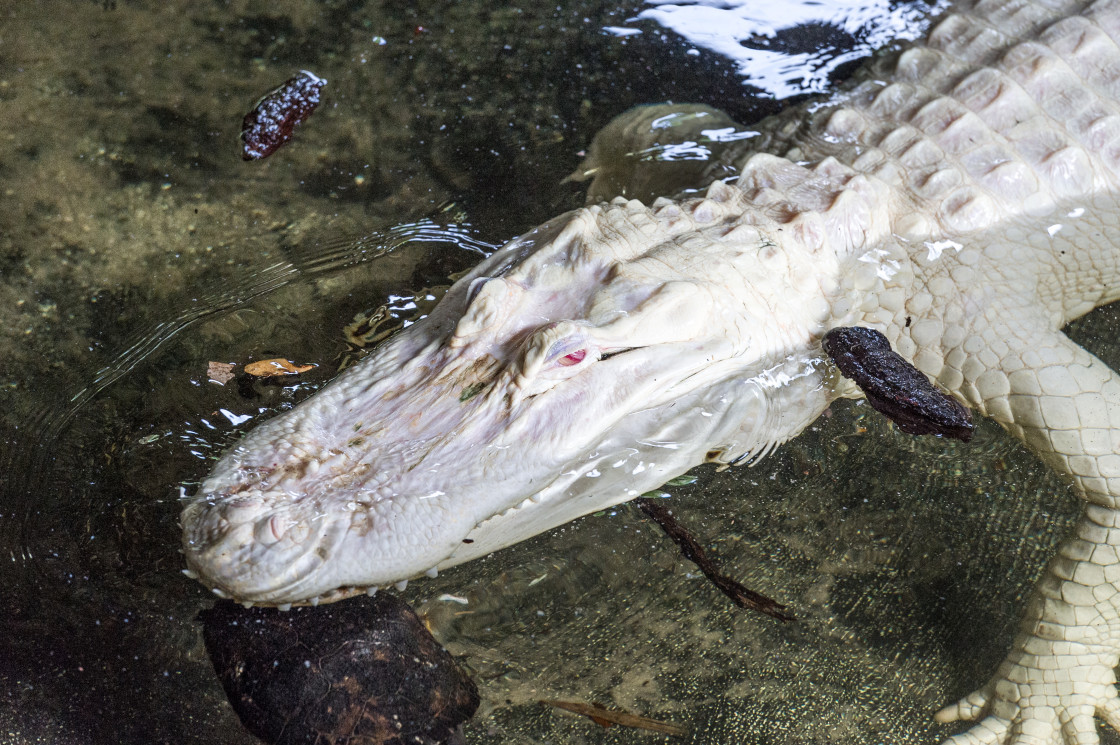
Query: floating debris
[[893, 386], [607, 717], [219, 372], [276, 366], [270, 124]]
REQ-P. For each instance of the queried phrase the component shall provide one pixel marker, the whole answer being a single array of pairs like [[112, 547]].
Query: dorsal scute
[[808, 229], [781, 189], [849, 221], [723, 193]]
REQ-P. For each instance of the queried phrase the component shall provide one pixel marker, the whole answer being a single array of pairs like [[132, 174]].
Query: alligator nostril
[[282, 527], [270, 531]]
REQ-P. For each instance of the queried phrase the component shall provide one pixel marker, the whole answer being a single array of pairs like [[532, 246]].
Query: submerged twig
[[740, 595], [607, 717]]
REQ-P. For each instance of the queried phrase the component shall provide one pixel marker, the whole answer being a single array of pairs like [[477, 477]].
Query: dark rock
[[363, 671]]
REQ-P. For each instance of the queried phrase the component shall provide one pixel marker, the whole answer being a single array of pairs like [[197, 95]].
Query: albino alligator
[[962, 200]]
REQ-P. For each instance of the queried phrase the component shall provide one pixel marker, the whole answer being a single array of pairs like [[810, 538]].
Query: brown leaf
[[277, 366], [219, 372]]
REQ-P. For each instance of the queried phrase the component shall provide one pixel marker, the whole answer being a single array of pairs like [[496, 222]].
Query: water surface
[[136, 248]]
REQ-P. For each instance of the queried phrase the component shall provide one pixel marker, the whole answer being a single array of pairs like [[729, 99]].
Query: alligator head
[[579, 366]]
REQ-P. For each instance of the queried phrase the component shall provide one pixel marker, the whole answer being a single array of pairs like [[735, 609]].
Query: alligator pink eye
[[573, 358]]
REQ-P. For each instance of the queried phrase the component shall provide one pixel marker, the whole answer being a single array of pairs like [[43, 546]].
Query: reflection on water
[[789, 48], [135, 248]]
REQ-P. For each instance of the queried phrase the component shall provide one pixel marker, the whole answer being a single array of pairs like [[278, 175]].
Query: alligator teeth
[[433, 572], [314, 601], [191, 574], [246, 604], [401, 585], [284, 607], [371, 591], [218, 592]]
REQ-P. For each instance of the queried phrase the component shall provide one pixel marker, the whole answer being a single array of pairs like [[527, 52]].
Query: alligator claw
[[895, 387], [1053, 714]]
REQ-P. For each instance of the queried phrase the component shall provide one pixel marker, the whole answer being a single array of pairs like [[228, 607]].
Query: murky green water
[[136, 247]]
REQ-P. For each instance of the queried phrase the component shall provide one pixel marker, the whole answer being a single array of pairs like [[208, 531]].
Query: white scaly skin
[[965, 204]]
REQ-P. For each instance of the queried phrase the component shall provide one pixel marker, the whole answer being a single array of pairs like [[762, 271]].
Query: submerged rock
[[361, 672]]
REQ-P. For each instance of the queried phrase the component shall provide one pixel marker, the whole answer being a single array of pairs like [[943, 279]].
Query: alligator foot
[[1058, 711], [1059, 676]]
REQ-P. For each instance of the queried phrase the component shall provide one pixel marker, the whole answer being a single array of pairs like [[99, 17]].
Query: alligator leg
[[1065, 403], [1059, 674]]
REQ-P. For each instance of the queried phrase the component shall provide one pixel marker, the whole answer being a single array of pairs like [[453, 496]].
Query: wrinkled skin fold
[[961, 200]]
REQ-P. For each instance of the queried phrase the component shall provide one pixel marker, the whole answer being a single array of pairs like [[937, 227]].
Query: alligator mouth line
[[615, 353]]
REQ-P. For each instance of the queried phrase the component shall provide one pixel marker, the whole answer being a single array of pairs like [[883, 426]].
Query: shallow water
[[136, 247]]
